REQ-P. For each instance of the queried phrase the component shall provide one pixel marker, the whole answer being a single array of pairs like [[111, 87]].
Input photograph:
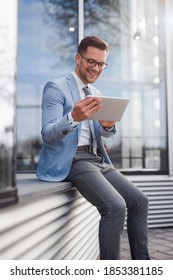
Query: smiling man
[[73, 151]]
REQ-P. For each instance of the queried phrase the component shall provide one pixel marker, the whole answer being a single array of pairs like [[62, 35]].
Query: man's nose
[[96, 67]]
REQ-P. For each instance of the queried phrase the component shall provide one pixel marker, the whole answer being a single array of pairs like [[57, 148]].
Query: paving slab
[[160, 241]]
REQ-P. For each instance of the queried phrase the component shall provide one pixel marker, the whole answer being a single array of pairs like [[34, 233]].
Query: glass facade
[[47, 44], [136, 71], [8, 38], [47, 41]]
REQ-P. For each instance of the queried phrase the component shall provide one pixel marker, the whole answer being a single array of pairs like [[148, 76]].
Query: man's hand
[[85, 108], [107, 124]]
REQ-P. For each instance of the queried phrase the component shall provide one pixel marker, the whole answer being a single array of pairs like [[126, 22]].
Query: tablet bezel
[[112, 108]]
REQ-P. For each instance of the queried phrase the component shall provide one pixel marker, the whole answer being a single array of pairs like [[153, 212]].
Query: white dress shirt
[[85, 129]]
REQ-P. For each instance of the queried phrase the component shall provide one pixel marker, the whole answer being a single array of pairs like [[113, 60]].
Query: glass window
[[7, 96], [8, 32], [47, 43], [136, 71]]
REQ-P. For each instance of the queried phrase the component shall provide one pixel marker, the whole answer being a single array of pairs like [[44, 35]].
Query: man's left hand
[[107, 124]]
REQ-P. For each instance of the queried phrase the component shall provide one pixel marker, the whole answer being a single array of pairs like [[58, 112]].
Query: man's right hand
[[85, 108]]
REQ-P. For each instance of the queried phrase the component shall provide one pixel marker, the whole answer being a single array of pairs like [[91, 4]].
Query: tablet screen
[[112, 109]]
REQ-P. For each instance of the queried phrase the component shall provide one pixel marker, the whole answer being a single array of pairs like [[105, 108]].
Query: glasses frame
[[101, 65]]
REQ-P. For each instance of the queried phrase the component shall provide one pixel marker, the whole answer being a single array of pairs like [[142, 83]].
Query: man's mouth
[[94, 74]]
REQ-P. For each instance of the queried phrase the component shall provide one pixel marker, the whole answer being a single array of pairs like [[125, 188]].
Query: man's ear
[[78, 58]]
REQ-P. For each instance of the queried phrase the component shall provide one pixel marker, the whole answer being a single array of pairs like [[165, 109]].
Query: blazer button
[[65, 132]]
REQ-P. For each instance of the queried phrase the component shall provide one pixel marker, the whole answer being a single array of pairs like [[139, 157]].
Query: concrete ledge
[[31, 188], [159, 190], [51, 221]]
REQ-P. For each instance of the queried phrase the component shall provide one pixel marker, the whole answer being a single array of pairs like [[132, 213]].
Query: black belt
[[83, 148]]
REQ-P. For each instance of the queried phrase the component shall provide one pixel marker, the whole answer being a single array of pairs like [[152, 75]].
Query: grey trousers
[[111, 193]]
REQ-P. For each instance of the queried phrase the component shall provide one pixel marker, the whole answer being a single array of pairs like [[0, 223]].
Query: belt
[[83, 148]]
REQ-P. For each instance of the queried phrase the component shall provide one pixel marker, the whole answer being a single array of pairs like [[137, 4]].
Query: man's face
[[86, 71]]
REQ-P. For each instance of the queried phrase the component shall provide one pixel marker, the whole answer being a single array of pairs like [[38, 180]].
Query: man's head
[[91, 58], [92, 41]]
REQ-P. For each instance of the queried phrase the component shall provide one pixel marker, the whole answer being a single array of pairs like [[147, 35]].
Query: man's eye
[[91, 61]]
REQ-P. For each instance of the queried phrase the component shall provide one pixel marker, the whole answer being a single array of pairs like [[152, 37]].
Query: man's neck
[[80, 83]]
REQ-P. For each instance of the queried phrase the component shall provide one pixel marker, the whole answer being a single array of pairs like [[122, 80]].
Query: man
[[69, 153]]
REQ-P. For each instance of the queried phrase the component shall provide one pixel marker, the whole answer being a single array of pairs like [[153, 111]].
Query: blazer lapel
[[74, 90]]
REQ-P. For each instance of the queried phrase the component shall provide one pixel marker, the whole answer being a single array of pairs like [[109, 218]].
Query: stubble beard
[[85, 79]]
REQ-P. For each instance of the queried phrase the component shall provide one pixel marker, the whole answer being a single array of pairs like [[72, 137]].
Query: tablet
[[112, 109]]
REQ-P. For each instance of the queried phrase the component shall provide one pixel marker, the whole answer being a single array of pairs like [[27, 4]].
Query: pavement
[[160, 244]]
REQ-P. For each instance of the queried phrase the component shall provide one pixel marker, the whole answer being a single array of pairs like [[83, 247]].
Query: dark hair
[[93, 41]]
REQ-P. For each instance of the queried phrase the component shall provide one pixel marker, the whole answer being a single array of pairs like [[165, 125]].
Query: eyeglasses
[[92, 63]]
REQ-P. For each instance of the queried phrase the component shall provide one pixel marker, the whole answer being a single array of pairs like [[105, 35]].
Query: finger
[[93, 110], [94, 104], [84, 110], [92, 99]]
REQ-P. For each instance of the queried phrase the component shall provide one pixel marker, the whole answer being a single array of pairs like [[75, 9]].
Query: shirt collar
[[79, 82]]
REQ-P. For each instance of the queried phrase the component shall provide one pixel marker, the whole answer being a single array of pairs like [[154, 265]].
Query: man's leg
[[137, 212], [86, 176]]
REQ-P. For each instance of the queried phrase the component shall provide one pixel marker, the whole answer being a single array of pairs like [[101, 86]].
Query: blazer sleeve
[[55, 109], [106, 133]]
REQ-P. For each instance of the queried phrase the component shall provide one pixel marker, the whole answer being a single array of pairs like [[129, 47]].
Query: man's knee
[[143, 202], [114, 208]]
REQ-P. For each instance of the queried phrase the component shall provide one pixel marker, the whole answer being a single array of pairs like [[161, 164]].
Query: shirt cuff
[[109, 129], [71, 121]]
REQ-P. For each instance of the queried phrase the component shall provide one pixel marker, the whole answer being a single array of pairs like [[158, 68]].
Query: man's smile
[[93, 73]]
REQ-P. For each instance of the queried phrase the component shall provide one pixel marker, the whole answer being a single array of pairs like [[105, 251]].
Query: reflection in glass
[[47, 42], [7, 97], [136, 71], [7, 94]]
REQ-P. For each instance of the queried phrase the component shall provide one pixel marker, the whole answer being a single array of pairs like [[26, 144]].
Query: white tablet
[[112, 109]]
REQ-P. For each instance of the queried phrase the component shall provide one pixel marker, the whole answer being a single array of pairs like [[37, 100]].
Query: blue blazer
[[60, 140]]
